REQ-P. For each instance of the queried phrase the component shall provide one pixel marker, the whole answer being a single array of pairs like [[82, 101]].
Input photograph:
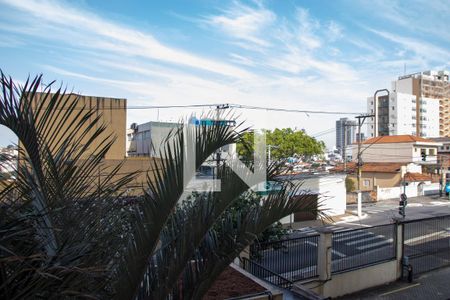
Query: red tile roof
[[388, 139], [417, 177], [371, 167]]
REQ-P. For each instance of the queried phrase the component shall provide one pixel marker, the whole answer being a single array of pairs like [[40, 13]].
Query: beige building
[[111, 111], [112, 114], [398, 149]]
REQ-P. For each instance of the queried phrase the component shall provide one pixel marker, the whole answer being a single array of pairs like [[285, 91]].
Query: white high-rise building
[[414, 106]]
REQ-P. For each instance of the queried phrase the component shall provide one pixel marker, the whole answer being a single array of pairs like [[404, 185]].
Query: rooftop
[[371, 167], [391, 139], [417, 177]]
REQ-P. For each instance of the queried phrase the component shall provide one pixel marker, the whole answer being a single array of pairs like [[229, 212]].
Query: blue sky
[[316, 55]]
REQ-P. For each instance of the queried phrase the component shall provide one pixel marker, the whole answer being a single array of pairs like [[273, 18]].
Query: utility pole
[[345, 146], [218, 154], [361, 119]]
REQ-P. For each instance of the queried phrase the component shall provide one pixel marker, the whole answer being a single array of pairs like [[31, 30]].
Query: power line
[[225, 106]]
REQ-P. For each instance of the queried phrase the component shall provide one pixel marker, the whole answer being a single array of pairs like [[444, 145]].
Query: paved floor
[[431, 285]]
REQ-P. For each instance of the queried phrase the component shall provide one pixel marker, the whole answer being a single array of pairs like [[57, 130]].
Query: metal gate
[[426, 243]]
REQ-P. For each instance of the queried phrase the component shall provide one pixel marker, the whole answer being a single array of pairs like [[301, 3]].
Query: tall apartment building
[[418, 104], [345, 133]]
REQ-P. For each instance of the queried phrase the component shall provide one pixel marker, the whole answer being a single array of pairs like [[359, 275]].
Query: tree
[[288, 143], [66, 235], [349, 184]]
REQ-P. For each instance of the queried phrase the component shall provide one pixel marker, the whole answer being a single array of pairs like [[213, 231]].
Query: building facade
[[112, 114], [150, 139], [417, 104], [345, 133], [398, 149]]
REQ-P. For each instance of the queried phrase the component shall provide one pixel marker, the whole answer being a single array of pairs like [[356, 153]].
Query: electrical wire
[[220, 106]]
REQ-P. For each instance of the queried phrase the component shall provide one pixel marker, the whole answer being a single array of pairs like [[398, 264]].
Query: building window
[[431, 151], [447, 147], [393, 107], [366, 182], [371, 102]]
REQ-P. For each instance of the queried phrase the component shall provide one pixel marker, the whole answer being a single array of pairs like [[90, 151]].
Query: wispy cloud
[[243, 23], [112, 37], [419, 48], [250, 53]]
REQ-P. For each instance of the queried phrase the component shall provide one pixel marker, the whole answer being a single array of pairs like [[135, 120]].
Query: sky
[[306, 55]]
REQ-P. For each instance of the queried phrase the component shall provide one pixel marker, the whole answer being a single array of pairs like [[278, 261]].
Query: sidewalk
[[430, 285]]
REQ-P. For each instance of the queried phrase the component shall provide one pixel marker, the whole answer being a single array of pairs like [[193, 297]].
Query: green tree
[[65, 235], [349, 184], [286, 141]]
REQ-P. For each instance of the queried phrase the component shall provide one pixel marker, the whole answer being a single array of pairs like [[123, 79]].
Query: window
[[431, 152], [413, 117], [448, 147], [371, 102], [415, 149], [413, 109], [366, 182], [393, 107]]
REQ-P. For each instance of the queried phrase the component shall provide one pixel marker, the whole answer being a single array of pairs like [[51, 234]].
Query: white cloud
[[113, 37], [421, 48], [244, 23]]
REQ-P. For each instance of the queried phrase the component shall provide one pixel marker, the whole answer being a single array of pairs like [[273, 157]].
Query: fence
[[426, 243], [363, 247], [265, 274], [295, 259], [354, 259]]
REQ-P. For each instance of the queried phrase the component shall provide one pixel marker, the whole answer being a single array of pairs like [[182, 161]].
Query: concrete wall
[[112, 114], [412, 190], [357, 280], [331, 191]]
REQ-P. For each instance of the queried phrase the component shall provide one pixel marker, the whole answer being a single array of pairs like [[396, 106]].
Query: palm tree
[[65, 234]]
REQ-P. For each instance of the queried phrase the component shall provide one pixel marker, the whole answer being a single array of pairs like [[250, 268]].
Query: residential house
[[398, 149]]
